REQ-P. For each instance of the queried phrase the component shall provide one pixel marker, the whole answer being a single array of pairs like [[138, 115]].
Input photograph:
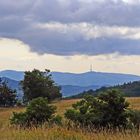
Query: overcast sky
[[69, 35]]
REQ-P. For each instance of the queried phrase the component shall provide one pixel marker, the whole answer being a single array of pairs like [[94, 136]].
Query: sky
[[70, 35]]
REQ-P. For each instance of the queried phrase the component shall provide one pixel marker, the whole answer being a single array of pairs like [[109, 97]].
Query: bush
[[135, 119], [19, 103], [106, 110], [57, 120], [19, 118], [38, 112]]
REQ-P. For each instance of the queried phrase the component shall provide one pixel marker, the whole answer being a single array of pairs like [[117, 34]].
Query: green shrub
[[19, 103], [57, 120], [135, 119], [19, 118], [106, 110], [38, 112]]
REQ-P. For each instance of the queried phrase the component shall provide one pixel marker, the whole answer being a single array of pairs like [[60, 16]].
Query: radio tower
[[91, 68]]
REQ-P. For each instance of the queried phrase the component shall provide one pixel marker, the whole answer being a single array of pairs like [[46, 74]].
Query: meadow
[[8, 132]]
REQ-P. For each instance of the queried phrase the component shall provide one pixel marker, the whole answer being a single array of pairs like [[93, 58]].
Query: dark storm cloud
[[26, 20]]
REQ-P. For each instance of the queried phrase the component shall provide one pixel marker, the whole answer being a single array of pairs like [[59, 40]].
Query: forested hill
[[131, 89]]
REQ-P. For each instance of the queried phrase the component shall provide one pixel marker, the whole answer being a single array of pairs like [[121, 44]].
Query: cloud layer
[[71, 27]]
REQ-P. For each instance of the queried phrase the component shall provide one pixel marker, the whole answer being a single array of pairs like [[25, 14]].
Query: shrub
[[135, 119], [57, 120], [19, 118], [19, 103], [38, 112], [106, 110]]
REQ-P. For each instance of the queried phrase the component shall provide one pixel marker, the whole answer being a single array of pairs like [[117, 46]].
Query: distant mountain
[[93, 78], [69, 90], [72, 83], [82, 79], [15, 75]]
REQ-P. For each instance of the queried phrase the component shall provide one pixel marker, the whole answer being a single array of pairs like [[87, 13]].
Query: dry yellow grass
[[59, 133], [64, 105], [134, 102]]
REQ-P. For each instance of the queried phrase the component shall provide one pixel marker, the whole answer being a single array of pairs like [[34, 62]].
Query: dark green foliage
[[57, 120], [135, 118], [19, 103], [19, 119], [81, 95], [7, 95], [109, 109], [38, 112], [39, 84]]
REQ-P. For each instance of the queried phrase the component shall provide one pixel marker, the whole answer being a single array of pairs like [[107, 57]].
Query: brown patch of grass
[[134, 102]]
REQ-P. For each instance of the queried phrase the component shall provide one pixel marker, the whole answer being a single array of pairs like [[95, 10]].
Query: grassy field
[[8, 132]]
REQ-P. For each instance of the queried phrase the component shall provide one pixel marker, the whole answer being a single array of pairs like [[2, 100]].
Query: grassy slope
[[58, 133]]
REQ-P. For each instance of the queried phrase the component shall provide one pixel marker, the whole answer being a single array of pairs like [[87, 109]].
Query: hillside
[[131, 89], [93, 78], [69, 90], [72, 83], [12, 74], [81, 79]]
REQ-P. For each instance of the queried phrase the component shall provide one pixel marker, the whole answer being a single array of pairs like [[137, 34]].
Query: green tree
[[39, 84], [37, 112], [7, 95], [108, 109]]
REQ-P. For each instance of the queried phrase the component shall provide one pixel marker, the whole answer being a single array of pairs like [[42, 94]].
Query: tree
[[7, 95], [108, 110], [37, 112], [39, 84]]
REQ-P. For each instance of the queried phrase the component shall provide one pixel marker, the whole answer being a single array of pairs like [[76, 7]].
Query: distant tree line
[[131, 89]]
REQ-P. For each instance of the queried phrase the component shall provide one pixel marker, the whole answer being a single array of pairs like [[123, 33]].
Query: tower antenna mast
[[91, 68]]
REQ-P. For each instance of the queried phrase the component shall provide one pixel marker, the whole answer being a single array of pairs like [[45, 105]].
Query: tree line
[[130, 89]]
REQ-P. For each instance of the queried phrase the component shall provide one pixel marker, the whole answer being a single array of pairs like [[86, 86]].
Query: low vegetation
[[108, 110], [8, 132], [37, 112]]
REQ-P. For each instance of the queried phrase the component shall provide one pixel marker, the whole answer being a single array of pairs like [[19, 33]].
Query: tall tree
[[39, 84], [7, 95]]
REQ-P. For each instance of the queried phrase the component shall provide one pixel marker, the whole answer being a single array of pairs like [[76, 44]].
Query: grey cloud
[[107, 12], [19, 19], [104, 13], [60, 43]]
